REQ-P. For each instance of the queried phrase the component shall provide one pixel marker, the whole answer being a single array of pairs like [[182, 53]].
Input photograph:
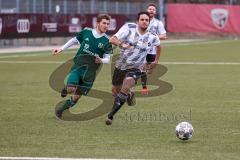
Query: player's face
[[103, 25], [143, 21], [152, 11]]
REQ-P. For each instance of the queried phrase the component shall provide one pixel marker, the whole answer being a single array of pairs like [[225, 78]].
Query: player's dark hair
[[141, 13], [100, 17], [151, 5]]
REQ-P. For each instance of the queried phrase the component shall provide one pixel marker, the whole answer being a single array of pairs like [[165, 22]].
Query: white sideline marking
[[33, 62], [165, 43], [48, 158], [167, 63], [25, 55], [202, 63], [196, 43]]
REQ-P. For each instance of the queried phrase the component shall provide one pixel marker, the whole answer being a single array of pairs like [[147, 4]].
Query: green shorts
[[82, 78]]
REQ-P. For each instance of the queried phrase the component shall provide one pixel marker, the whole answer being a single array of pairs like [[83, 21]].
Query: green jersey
[[92, 43], [84, 70]]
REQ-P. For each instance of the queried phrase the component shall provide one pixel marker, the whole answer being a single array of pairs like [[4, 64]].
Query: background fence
[[73, 6]]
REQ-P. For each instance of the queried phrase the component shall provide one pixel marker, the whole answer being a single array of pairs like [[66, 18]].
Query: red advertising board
[[203, 18], [50, 25]]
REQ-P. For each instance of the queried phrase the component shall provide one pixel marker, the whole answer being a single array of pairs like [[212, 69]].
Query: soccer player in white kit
[[134, 41], [156, 27]]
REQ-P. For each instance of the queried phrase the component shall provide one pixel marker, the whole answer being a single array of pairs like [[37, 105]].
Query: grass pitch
[[206, 88]]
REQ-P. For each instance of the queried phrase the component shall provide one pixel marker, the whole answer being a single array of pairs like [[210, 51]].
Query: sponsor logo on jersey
[[86, 39], [23, 25], [86, 46], [86, 49], [100, 45], [219, 17]]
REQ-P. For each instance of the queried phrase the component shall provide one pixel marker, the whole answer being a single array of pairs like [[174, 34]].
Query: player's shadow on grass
[[56, 82]]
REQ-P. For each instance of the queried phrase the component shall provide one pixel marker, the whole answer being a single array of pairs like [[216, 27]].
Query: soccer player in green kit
[[87, 60]]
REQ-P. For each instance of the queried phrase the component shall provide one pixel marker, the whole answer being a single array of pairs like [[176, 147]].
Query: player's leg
[[131, 96], [72, 86], [128, 82], [144, 83], [69, 102], [72, 79], [116, 90], [117, 81], [149, 58]]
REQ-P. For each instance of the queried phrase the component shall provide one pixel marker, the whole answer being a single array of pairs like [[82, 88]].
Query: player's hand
[[153, 64], [98, 60], [56, 51], [144, 91], [125, 45]]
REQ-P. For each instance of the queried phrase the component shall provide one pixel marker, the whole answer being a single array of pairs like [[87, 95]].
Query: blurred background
[[53, 22]]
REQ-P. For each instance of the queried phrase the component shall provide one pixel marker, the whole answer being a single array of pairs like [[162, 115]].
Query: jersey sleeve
[[156, 41], [71, 42], [106, 58], [79, 36], [108, 48], [161, 28], [122, 32]]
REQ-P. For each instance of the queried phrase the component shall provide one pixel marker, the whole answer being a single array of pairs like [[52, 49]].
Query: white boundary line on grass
[[174, 43], [33, 62], [24, 55], [48, 158], [201, 63], [167, 63]]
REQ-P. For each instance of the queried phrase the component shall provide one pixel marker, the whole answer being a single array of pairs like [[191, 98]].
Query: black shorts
[[150, 58], [119, 75]]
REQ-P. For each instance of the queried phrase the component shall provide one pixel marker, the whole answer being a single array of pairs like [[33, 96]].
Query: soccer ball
[[184, 131]]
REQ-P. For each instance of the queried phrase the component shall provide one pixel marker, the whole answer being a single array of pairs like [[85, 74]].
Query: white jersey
[[134, 57], [156, 27]]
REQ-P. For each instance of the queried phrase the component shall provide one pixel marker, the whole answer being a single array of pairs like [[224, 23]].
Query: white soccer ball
[[184, 130]]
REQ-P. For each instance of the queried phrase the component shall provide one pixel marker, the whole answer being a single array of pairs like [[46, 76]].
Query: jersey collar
[[96, 34]]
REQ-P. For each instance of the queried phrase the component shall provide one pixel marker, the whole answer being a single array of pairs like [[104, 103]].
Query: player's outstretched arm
[[158, 53], [155, 62], [105, 59], [56, 51], [115, 41], [163, 36], [70, 43]]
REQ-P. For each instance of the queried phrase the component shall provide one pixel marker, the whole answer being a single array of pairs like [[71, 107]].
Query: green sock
[[69, 103]]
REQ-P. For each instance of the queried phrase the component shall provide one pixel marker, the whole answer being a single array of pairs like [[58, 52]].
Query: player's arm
[[117, 39], [158, 53], [163, 36], [70, 43], [162, 31]]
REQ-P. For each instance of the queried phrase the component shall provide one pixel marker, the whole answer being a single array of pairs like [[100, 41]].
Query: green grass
[[209, 92]]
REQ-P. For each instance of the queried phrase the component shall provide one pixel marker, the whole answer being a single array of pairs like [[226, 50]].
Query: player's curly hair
[[141, 13], [103, 16]]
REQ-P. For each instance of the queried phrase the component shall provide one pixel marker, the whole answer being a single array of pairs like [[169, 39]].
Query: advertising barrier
[[203, 18], [50, 25]]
